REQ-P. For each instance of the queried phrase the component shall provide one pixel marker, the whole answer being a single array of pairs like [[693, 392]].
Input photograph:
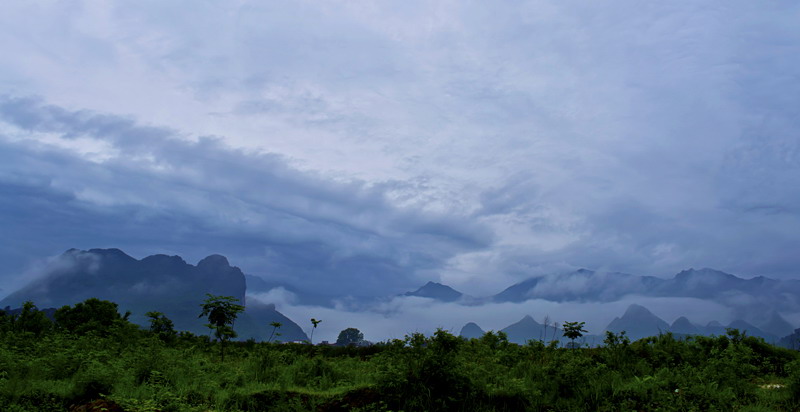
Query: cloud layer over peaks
[[363, 146]]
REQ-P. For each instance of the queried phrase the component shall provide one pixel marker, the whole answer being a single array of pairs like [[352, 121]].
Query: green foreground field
[[118, 366]]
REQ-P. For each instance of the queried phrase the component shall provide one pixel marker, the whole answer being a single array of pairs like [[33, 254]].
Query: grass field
[[119, 366]]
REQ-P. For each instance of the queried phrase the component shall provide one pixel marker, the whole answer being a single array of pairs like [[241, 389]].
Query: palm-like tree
[[315, 322], [275, 326]]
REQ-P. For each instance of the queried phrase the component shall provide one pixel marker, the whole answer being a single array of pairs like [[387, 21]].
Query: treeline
[[92, 315], [90, 356]]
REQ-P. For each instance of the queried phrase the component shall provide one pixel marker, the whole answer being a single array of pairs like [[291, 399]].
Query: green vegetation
[[275, 327], [221, 312], [350, 336], [89, 353], [314, 322], [573, 330], [161, 326]]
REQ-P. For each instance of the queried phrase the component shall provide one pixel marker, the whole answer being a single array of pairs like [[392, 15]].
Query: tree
[[350, 336], [543, 336], [573, 330], [5, 321], [314, 322], [275, 326], [494, 340], [31, 319], [91, 315], [161, 325], [221, 312]]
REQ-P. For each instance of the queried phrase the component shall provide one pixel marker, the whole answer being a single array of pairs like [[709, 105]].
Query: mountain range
[[757, 301], [637, 322], [171, 285], [590, 286]]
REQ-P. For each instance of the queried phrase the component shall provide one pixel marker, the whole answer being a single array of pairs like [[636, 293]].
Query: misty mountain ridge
[[77, 275], [171, 285], [437, 291], [591, 286], [638, 322], [519, 332], [582, 285], [757, 300], [528, 329], [155, 283]]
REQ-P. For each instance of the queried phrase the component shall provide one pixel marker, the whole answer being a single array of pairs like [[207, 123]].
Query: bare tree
[[543, 336]]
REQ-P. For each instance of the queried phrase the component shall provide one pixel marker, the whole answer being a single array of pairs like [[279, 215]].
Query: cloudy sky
[[368, 147]]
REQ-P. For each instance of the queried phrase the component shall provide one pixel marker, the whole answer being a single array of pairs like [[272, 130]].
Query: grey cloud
[[342, 237], [643, 137]]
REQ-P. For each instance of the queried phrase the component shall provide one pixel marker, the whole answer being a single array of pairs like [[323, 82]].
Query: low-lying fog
[[402, 315]]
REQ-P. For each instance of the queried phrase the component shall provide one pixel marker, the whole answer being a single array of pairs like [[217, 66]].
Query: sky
[[365, 148]]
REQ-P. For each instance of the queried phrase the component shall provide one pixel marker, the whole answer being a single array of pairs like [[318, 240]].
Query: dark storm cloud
[[159, 193]]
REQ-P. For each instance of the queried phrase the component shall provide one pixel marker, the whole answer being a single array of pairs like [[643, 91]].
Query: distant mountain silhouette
[[588, 285], [437, 291], [471, 330], [638, 322], [777, 325], [756, 300], [581, 285], [713, 328], [752, 330], [703, 283], [156, 283], [684, 327], [529, 329], [518, 292], [791, 341]]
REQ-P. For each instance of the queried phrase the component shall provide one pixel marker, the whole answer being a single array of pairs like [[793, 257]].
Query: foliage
[[350, 336], [275, 327], [91, 315], [573, 330], [31, 320], [162, 326], [314, 322], [222, 312], [134, 369]]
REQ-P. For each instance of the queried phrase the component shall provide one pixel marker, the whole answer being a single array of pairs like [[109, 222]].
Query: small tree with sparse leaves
[[221, 312], [275, 327], [573, 330]]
